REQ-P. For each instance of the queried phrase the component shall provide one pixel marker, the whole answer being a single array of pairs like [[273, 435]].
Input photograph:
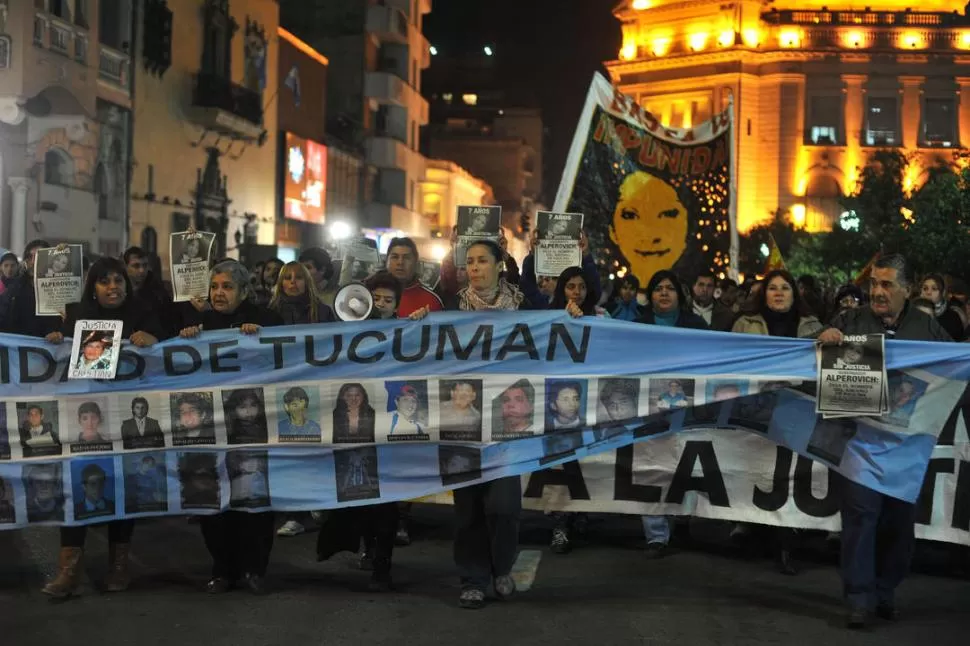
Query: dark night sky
[[547, 48]]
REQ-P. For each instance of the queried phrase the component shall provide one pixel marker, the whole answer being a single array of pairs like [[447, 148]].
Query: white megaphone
[[353, 302]]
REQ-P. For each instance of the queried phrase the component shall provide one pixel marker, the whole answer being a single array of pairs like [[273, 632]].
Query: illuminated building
[[65, 122], [447, 186], [205, 125], [817, 85], [377, 53]]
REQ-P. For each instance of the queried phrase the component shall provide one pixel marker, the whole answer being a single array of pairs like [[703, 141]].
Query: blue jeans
[[656, 529], [878, 538]]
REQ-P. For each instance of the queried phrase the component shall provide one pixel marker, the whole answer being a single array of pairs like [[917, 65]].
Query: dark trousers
[[240, 543], [878, 538], [119, 531], [487, 535], [345, 527]]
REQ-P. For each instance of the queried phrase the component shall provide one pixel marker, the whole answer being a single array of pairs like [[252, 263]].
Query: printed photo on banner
[[199, 480], [754, 412], [8, 510], [298, 414], [476, 223], [4, 434], [618, 401], [93, 487], [557, 242], [89, 428], [193, 420], [146, 482], [905, 392], [360, 260], [245, 416], [141, 430], [514, 412], [460, 410], [458, 464], [44, 488], [355, 471], [671, 394], [565, 404], [248, 479], [852, 376], [662, 197], [407, 404], [189, 254], [39, 430], [830, 438], [95, 350], [58, 278], [560, 444], [354, 418], [429, 273]]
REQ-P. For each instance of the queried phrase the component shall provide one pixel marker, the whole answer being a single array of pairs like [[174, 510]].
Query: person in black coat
[[239, 542], [108, 295], [18, 302]]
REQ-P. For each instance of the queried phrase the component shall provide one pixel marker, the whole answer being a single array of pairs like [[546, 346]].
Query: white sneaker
[[290, 528]]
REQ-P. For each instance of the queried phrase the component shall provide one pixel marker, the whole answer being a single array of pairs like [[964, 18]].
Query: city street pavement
[[603, 593]]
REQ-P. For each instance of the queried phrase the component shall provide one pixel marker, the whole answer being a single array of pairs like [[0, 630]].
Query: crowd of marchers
[[877, 537]]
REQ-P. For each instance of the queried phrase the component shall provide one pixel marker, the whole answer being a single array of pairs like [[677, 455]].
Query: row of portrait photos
[[146, 481], [458, 409]]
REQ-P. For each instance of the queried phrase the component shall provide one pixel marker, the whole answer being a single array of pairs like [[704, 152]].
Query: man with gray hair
[[878, 533]]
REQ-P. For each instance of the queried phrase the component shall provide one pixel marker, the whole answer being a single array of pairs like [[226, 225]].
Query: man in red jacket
[[402, 262]]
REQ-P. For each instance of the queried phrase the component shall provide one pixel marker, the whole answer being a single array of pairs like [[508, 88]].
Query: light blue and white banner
[[315, 417]]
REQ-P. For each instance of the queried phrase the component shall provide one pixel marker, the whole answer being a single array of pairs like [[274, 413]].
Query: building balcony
[[220, 105], [385, 87], [388, 24], [388, 152], [113, 67]]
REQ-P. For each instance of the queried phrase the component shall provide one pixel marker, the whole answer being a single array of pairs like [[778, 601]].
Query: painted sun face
[[649, 224]]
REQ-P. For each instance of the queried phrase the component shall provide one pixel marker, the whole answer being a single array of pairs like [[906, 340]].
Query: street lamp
[[434, 50], [488, 50], [340, 230]]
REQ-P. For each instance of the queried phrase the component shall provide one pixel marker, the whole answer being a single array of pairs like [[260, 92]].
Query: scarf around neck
[[503, 297]]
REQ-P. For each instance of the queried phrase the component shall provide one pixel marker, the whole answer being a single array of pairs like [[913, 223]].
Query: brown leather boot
[[68, 573], [117, 579]]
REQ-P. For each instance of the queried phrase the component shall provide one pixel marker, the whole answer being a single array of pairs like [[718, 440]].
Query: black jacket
[[136, 315], [247, 312], [686, 319], [17, 305], [912, 324]]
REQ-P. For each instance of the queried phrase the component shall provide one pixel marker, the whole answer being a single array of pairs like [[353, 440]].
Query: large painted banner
[[315, 417], [655, 197]]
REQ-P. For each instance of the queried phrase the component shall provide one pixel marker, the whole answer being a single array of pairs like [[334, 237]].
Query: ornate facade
[[816, 86]]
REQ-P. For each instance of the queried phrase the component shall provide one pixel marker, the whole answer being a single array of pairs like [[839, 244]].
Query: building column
[[963, 110], [909, 112], [854, 124], [20, 186]]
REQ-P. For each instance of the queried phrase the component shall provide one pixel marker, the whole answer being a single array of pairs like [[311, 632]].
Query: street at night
[[603, 593]]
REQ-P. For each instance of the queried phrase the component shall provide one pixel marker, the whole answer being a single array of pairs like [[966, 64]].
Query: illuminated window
[[824, 127], [447, 97], [939, 127], [470, 99], [882, 122]]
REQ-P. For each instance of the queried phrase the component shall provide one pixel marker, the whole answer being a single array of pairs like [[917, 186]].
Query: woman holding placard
[[107, 296], [239, 542], [778, 310]]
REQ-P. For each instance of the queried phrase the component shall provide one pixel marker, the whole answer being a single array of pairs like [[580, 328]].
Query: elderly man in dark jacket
[[878, 530]]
